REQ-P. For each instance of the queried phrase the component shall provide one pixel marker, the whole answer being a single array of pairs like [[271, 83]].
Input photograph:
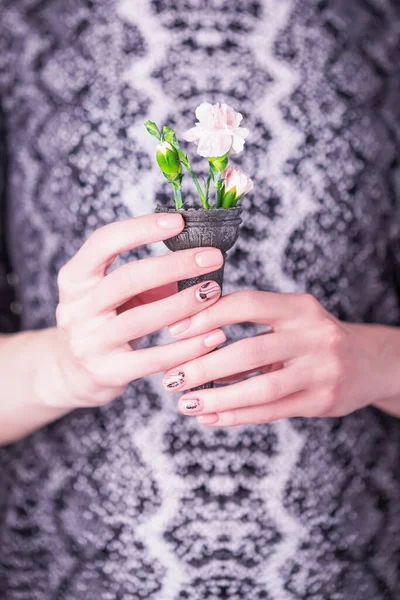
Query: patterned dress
[[134, 500]]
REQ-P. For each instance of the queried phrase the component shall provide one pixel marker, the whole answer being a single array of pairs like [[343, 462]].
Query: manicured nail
[[207, 291], [179, 327], [190, 405], [208, 419], [174, 380], [172, 221], [209, 258], [215, 339]]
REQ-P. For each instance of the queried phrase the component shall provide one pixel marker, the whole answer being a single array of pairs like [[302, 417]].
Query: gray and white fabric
[[134, 500]]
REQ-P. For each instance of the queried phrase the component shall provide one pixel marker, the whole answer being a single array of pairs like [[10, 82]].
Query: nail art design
[[191, 404], [208, 290], [174, 380]]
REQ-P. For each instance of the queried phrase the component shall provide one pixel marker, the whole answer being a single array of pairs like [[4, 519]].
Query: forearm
[[30, 381]]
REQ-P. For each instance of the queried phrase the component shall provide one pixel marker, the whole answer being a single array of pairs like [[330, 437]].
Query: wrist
[[48, 380], [381, 344]]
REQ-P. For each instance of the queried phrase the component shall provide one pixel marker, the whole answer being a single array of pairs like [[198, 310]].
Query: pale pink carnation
[[217, 131]]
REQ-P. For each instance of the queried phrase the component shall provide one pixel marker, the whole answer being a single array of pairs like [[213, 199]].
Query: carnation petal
[[205, 114], [237, 144], [192, 135], [214, 144]]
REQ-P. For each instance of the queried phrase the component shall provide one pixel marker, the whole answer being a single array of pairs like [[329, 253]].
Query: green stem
[[218, 187], [178, 197], [186, 163], [207, 190], [203, 198]]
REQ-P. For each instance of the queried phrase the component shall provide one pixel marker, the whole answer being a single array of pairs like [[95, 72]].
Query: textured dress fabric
[[134, 500]]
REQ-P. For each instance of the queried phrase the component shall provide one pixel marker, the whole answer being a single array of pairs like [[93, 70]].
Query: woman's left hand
[[310, 364]]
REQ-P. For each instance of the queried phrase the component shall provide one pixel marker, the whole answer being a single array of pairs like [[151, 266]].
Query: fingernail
[[207, 291], [209, 258], [174, 380], [208, 419], [190, 405], [215, 339], [173, 221], [179, 327]]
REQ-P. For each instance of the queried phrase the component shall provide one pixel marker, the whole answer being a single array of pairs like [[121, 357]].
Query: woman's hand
[[101, 316], [311, 364]]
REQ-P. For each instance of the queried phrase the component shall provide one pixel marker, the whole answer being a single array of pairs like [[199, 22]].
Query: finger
[[247, 354], [289, 407], [124, 367], [138, 276], [101, 248], [256, 391], [263, 308], [147, 318]]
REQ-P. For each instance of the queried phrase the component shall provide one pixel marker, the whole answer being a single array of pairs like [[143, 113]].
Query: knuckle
[[311, 304], [250, 353], [201, 376], [231, 418], [127, 276], [63, 283], [208, 319], [63, 316], [333, 335], [273, 389], [327, 404], [182, 264]]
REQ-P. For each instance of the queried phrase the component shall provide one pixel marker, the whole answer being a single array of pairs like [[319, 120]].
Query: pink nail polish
[[174, 380], [190, 405], [214, 339], [208, 419], [209, 258], [172, 221], [179, 327], [207, 291]]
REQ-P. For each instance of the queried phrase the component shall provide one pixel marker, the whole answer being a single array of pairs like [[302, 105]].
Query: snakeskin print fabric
[[134, 500]]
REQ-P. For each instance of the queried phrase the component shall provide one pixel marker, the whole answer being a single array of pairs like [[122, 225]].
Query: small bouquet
[[217, 135]]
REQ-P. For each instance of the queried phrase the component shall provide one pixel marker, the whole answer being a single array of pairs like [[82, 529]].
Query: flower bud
[[153, 129], [169, 135], [168, 161], [236, 184]]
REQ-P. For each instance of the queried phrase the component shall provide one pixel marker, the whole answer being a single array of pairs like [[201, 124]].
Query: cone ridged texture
[[218, 228]]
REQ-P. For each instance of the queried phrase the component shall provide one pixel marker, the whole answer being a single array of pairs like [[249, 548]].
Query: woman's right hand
[[100, 315]]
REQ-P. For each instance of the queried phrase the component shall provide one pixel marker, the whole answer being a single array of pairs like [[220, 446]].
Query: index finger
[[272, 309], [102, 247]]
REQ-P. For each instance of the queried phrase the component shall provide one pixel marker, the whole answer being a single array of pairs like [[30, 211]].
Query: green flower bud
[[153, 129], [229, 199], [169, 135], [168, 161]]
